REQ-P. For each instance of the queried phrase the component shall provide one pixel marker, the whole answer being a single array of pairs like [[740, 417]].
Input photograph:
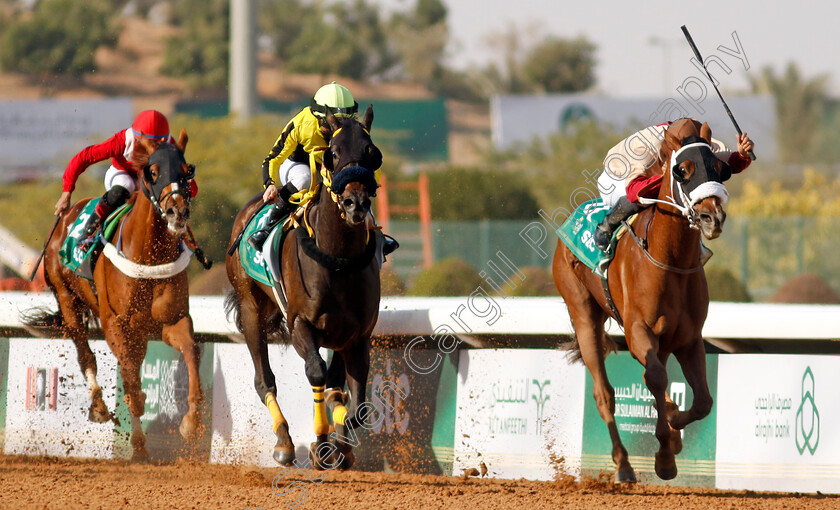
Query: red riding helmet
[[151, 123]]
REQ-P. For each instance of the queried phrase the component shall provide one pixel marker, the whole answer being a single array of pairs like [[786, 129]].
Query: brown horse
[[332, 284], [153, 300], [659, 290]]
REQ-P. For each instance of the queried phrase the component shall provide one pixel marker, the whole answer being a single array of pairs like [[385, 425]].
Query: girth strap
[[610, 302]]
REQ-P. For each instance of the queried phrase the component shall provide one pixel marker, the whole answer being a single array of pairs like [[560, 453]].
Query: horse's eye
[[680, 173]]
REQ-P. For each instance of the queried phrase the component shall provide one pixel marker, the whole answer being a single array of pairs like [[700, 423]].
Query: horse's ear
[[182, 140], [367, 117], [706, 132], [332, 121]]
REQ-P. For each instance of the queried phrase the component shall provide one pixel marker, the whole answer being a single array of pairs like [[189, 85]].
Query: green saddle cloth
[[253, 261], [578, 232], [81, 261]]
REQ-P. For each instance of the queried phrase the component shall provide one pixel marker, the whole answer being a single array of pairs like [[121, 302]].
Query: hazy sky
[[770, 33]]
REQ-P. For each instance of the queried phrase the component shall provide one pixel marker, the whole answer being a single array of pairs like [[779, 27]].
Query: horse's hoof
[[284, 448], [626, 475], [283, 456], [99, 413], [323, 458], [348, 460], [666, 467], [191, 427], [141, 456], [284, 451], [676, 441]]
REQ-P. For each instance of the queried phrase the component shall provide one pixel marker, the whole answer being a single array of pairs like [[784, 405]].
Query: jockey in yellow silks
[[286, 170]]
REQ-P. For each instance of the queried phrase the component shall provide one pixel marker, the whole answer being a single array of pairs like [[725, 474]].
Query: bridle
[[170, 175], [681, 200]]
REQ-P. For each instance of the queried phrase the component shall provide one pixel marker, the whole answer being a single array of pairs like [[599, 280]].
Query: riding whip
[[702, 63], [41, 256]]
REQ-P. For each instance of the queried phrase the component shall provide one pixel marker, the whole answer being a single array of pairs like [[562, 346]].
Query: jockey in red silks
[[632, 170], [121, 177]]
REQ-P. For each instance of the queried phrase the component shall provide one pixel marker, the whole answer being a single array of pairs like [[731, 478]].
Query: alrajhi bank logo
[[807, 416]]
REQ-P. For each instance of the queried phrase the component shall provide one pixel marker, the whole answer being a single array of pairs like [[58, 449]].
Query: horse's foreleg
[[347, 421], [693, 362], [321, 452], [180, 337], [337, 400], [644, 346]]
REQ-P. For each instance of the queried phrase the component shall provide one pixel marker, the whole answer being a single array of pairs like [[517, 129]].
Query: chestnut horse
[[154, 300], [659, 289], [332, 284]]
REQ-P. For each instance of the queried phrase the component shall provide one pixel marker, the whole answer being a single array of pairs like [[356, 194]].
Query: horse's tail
[[40, 321], [572, 348], [233, 309], [278, 332]]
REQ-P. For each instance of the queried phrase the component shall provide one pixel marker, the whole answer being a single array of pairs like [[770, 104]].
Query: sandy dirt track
[[50, 483]]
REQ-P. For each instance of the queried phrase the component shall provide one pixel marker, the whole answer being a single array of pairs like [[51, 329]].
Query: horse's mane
[[139, 158]]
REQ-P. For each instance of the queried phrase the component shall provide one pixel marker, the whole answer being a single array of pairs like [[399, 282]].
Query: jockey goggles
[[337, 111]]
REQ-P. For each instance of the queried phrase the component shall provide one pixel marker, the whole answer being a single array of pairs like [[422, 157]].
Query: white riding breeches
[[611, 187], [116, 177], [298, 174]]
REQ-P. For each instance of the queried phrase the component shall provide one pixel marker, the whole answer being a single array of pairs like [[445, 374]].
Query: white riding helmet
[[337, 97]]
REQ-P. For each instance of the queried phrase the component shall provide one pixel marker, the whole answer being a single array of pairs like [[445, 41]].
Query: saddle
[[81, 258], [577, 232], [264, 265]]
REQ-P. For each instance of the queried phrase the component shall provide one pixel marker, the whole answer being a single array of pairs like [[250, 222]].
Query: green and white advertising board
[[635, 417]]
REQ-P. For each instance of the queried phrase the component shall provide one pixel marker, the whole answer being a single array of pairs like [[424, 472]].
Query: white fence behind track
[[480, 315]]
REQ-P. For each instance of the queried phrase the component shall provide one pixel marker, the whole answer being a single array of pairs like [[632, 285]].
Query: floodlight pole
[[242, 80]]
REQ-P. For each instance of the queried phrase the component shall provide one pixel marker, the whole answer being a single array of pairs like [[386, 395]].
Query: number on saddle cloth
[[577, 232], [77, 253], [254, 261]]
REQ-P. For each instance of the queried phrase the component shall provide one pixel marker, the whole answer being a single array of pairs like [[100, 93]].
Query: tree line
[[348, 38]]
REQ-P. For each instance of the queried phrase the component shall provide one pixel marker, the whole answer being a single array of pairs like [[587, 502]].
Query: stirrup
[[86, 243]]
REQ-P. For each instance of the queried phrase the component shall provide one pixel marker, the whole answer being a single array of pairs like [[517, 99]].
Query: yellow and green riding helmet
[[337, 97]]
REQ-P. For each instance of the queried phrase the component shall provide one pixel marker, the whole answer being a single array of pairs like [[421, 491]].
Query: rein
[[305, 231], [684, 203], [147, 190], [642, 246]]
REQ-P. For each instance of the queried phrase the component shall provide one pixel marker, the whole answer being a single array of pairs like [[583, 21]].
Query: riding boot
[[389, 245], [280, 210], [91, 227], [622, 210]]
